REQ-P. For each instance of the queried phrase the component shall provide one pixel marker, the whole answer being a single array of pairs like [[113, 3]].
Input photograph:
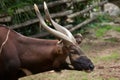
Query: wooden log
[[71, 28], [3, 15], [40, 35], [61, 14], [50, 4], [44, 34], [28, 8], [32, 21], [87, 9], [5, 19], [76, 1], [110, 23], [26, 23], [82, 24]]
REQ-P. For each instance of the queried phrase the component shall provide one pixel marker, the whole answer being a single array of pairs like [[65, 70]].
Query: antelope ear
[[78, 38], [60, 42]]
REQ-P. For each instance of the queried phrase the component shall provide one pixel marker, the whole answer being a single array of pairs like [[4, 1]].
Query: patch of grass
[[104, 18], [102, 30], [67, 75], [112, 40], [116, 28], [112, 56], [113, 79]]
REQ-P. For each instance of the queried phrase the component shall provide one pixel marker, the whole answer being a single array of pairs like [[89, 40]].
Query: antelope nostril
[[91, 66]]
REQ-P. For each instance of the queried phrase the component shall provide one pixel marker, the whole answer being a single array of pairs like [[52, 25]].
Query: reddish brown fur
[[37, 55]]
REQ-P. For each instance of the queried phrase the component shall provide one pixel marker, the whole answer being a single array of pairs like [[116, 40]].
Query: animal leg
[[26, 71]]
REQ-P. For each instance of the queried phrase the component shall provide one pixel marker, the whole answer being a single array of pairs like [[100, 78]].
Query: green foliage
[[112, 40], [29, 30], [20, 18], [114, 55], [102, 30], [104, 18], [116, 28], [79, 7], [10, 6]]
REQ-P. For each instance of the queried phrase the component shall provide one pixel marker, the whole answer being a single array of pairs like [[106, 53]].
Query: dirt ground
[[106, 57]]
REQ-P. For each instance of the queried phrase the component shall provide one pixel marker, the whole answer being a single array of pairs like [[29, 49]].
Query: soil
[[110, 69]]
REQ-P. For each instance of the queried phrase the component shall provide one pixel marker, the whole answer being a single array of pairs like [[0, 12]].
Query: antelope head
[[77, 58]]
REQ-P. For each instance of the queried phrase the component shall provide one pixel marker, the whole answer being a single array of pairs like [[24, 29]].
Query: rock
[[112, 9], [116, 2]]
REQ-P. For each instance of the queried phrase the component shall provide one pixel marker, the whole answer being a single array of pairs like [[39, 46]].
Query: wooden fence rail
[[33, 21], [50, 4], [66, 13], [86, 10]]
